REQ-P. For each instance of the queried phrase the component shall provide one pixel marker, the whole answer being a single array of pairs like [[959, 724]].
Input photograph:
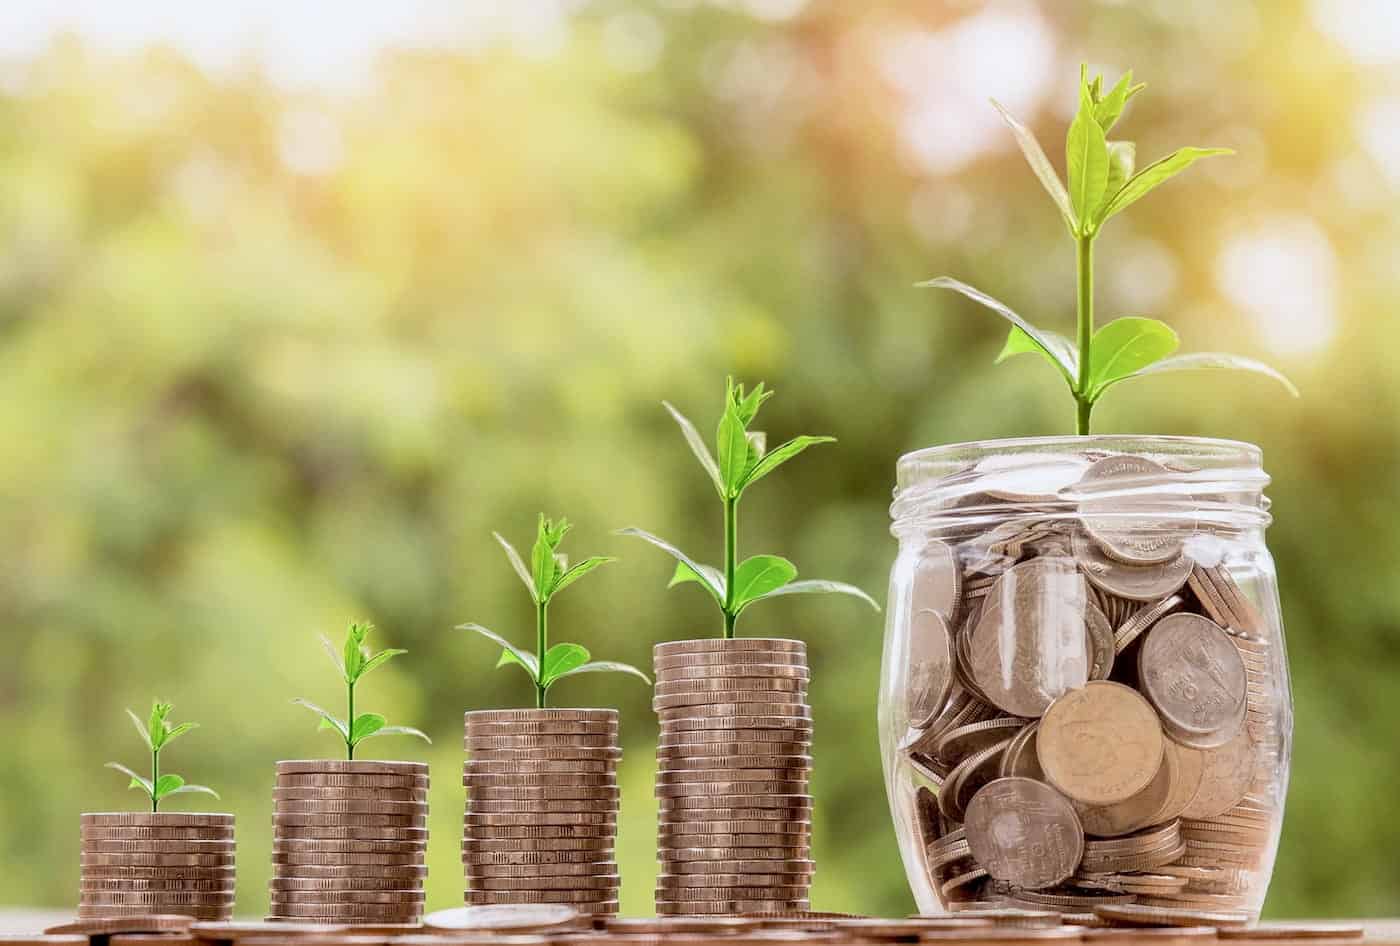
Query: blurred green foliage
[[244, 400]]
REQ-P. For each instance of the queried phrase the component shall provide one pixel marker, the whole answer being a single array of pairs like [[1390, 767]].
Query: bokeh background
[[298, 302]]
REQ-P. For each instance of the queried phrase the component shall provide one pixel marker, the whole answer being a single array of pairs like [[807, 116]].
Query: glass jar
[[1085, 694]]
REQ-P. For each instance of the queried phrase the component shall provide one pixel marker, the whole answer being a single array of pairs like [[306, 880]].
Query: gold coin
[[1100, 744]]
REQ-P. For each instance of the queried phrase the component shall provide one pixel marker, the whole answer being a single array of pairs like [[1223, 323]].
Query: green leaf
[[1122, 157], [175, 733], [699, 571], [578, 571], [711, 577], [1108, 109], [1086, 154], [604, 666], [518, 565], [1155, 174], [817, 586], [187, 788], [779, 456], [1040, 164], [328, 720], [1125, 346], [733, 450], [140, 728], [1019, 343], [136, 781], [379, 659], [1211, 360], [512, 653], [542, 562], [155, 727], [354, 655], [697, 447], [167, 784], [334, 655], [400, 731], [366, 725], [1058, 349], [560, 659], [759, 575]]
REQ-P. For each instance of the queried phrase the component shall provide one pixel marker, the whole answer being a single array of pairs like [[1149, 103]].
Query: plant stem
[[350, 720], [1084, 256], [731, 541], [541, 646], [155, 777]]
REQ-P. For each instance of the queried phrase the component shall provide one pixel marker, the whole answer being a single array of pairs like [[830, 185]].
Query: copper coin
[[157, 860], [472, 847], [711, 684], [1147, 583], [797, 800], [717, 879], [1024, 833], [535, 896], [352, 767], [333, 871], [691, 789], [542, 837], [542, 819], [341, 794], [592, 868], [537, 715], [730, 749], [539, 768], [1193, 675], [350, 806], [1227, 773], [731, 775], [390, 882], [731, 645], [347, 912], [116, 872], [672, 855], [479, 806], [775, 701], [1133, 914], [162, 833], [542, 861], [722, 723], [773, 671], [787, 734], [764, 761], [406, 896], [157, 846], [220, 884], [147, 923], [559, 791], [1030, 643], [546, 754], [794, 828], [299, 845], [1100, 744], [151, 819], [599, 881], [527, 780], [543, 728], [473, 744], [798, 711], [159, 900], [1296, 931], [350, 781], [284, 831], [788, 867], [730, 907], [1125, 518]]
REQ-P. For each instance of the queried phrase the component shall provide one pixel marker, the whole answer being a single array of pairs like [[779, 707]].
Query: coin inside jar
[[1030, 644], [1194, 676], [1024, 833], [1122, 514], [1100, 744]]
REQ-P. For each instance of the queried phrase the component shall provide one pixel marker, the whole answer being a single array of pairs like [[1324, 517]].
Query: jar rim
[[1202, 448]]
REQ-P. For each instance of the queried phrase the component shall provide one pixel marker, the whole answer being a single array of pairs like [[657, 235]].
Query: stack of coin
[[734, 766], [348, 843], [542, 801], [157, 862], [1088, 679]]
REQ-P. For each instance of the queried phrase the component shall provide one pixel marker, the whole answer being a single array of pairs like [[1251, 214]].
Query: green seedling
[[549, 573], [1103, 182], [742, 462], [157, 733], [353, 661]]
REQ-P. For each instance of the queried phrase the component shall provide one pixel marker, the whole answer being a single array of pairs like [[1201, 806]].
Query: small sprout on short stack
[[157, 732]]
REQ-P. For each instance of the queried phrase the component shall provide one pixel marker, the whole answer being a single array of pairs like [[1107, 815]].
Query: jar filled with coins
[[1085, 693]]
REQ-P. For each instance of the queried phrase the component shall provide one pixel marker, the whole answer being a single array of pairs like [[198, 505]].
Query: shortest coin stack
[[542, 802], [348, 842], [157, 862], [734, 762]]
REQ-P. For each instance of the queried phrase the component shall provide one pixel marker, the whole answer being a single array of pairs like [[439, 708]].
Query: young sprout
[[1102, 183], [742, 462], [157, 733], [549, 573], [354, 660]]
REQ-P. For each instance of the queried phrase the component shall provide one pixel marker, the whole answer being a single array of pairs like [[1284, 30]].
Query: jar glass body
[[1099, 616]]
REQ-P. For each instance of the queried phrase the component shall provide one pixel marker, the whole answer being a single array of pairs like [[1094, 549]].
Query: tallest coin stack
[[734, 764]]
